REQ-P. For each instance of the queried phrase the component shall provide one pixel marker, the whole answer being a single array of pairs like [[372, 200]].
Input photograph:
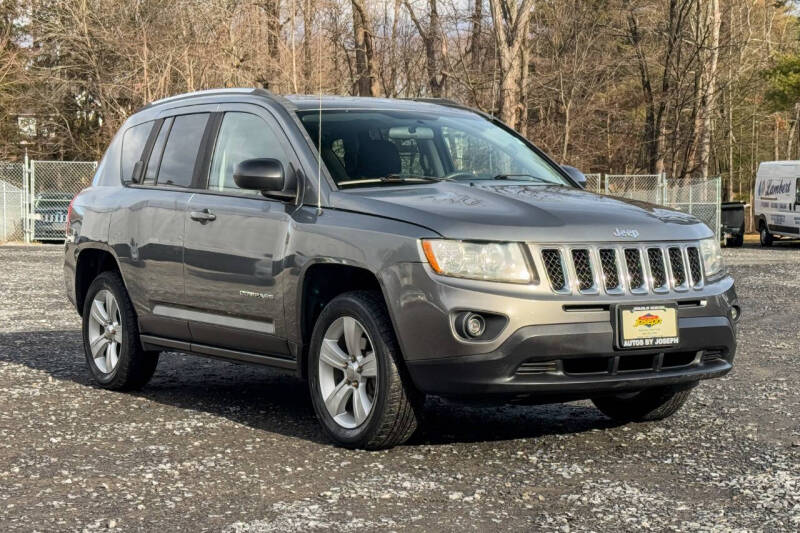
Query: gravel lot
[[215, 446]]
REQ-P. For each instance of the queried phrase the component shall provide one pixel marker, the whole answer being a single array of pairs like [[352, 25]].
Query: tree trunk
[[710, 87], [475, 39], [435, 51], [308, 22], [366, 83], [511, 18]]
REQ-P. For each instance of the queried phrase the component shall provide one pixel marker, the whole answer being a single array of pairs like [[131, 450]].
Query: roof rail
[[209, 92]]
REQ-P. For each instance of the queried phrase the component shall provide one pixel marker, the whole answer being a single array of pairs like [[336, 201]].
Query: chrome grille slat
[[658, 272], [610, 269], [582, 263], [620, 268], [633, 264], [677, 267], [554, 265], [695, 267]]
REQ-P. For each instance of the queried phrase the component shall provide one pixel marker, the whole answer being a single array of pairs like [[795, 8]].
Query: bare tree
[[366, 72], [511, 18], [435, 50]]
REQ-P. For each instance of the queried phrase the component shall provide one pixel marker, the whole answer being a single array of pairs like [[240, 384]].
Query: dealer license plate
[[647, 326]]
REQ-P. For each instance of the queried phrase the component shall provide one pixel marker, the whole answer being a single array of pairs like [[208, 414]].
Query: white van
[[777, 200]]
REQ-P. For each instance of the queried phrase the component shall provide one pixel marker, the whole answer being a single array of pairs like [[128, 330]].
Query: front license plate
[[646, 326]]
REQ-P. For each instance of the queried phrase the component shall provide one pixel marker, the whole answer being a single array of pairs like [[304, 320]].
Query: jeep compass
[[385, 250]]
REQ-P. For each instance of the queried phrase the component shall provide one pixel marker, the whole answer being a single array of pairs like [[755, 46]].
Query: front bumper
[[552, 346], [572, 361]]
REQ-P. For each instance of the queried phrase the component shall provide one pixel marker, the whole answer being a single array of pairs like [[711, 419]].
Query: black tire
[[396, 406], [765, 236], [135, 366], [736, 241], [651, 404]]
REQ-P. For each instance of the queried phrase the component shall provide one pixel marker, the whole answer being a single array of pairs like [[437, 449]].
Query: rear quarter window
[[133, 143]]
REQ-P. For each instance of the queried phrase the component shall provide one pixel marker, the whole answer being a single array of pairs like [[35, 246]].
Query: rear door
[[235, 242], [155, 224]]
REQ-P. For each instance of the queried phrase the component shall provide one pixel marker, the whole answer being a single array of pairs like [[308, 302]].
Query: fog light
[[474, 325], [736, 312]]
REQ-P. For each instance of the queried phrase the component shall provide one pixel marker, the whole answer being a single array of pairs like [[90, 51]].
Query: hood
[[522, 212]]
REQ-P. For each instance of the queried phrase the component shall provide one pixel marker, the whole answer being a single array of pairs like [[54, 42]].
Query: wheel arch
[[321, 282], [91, 262]]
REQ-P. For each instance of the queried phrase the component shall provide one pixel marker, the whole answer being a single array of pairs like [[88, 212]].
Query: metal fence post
[[719, 208], [25, 199], [5, 213]]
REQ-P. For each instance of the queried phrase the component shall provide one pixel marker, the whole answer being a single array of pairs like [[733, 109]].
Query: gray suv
[[385, 250]]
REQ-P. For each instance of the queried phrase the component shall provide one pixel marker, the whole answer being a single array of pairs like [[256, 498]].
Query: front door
[[234, 245]]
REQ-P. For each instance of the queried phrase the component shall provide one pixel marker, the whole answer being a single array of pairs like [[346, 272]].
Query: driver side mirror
[[265, 175], [576, 175]]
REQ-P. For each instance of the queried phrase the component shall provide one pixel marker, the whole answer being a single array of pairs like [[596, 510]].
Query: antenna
[[319, 129]]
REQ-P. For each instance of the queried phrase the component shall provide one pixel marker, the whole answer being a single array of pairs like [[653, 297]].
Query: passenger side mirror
[[576, 175], [265, 175]]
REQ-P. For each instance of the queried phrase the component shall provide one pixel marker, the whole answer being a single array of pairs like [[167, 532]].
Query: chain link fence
[[643, 187], [12, 201], [698, 197], [594, 183], [35, 197]]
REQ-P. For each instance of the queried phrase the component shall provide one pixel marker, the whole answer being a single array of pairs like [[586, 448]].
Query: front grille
[[676, 263], [656, 259], [628, 363], [695, 269], [608, 260], [555, 269], [633, 260], [619, 269], [583, 269]]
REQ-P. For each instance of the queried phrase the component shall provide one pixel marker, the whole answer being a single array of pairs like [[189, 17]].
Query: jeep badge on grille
[[626, 232]]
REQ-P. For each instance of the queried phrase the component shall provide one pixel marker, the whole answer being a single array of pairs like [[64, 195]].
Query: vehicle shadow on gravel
[[278, 402]]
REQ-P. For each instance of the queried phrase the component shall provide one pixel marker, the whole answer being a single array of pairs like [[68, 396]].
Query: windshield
[[364, 148]]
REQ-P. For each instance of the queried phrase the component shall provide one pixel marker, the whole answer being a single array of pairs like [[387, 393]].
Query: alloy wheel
[[105, 331], [348, 372]]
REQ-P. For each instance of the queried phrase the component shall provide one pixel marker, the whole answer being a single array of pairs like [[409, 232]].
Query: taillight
[[69, 215]]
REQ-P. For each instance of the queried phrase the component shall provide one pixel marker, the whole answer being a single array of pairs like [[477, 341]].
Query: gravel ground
[[215, 446]]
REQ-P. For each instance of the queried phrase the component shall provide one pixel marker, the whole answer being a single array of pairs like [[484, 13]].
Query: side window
[[133, 143], [180, 152], [241, 136], [157, 152]]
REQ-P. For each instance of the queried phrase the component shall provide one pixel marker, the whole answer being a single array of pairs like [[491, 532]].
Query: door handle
[[203, 216]]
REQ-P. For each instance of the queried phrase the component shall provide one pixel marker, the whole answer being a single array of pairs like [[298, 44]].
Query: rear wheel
[[765, 236], [358, 391], [655, 403], [111, 336], [736, 241]]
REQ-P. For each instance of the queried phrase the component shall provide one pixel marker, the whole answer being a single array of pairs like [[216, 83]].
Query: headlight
[[712, 256], [492, 261]]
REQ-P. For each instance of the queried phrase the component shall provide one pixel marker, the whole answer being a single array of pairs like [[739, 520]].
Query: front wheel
[[357, 389], [655, 403]]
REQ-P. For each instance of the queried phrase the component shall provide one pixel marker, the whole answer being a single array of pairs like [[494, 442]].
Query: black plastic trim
[[150, 342]]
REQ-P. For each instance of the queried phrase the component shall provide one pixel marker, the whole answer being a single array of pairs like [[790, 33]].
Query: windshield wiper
[[531, 176], [408, 177], [392, 178]]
